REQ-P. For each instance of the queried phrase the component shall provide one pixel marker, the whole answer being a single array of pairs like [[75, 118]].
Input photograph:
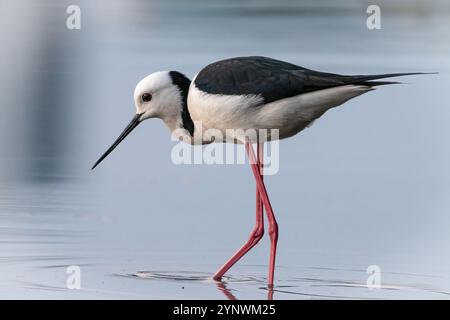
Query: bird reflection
[[270, 293], [222, 286]]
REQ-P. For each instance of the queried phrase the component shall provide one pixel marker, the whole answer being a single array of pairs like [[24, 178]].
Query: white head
[[156, 96], [160, 95]]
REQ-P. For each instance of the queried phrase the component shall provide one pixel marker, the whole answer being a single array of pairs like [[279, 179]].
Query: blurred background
[[367, 184]]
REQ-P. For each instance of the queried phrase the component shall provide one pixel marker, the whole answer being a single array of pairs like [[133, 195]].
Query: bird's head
[[157, 96], [160, 95]]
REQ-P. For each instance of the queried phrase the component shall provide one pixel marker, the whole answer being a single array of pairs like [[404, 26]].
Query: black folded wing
[[274, 79]]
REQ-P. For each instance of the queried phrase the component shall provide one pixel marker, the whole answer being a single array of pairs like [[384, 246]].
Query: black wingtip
[[392, 75], [379, 83], [371, 80], [413, 74]]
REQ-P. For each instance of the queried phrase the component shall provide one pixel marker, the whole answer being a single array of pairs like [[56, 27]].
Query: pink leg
[[273, 226], [257, 232]]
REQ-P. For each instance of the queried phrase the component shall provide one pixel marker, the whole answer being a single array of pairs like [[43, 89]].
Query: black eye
[[146, 97]]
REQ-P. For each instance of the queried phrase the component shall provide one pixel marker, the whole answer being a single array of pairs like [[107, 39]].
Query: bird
[[249, 93]]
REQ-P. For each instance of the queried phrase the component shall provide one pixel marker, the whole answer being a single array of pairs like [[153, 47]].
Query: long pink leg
[[257, 232], [273, 226]]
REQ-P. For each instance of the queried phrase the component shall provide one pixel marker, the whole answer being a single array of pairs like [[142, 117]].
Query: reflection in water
[[190, 276], [309, 288], [173, 276], [222, 286]]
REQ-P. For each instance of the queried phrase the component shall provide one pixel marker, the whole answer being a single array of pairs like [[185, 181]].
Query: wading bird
[[246, 93]]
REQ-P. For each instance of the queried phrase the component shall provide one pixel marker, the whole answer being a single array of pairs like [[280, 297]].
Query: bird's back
[[260, 92]]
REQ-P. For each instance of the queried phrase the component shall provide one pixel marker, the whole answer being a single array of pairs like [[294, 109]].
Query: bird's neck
[[184, 120]]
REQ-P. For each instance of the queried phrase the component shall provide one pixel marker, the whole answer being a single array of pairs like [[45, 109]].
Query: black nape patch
[[183, 83]]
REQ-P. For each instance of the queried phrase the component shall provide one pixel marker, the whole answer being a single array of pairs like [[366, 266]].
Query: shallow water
[[368, 184]]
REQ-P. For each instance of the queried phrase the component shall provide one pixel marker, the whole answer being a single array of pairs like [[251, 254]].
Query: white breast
[[216, 111]]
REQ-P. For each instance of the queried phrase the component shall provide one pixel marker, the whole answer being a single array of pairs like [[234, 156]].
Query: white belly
[[289, 115]]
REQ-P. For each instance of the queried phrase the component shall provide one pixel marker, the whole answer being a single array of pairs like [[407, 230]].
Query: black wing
[[274, 79]]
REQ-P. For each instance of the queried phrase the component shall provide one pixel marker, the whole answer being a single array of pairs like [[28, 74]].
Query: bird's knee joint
[[273, 231], [258, 234]]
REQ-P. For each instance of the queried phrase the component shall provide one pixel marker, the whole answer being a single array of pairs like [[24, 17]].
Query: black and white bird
[[246, 93]]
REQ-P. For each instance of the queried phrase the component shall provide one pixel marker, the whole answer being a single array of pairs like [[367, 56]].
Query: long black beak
[[133, 124]]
